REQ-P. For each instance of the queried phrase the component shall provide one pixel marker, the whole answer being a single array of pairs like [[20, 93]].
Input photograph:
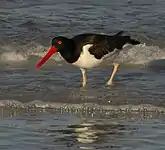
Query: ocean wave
[[13, 56], [139, 54], [91, 107]]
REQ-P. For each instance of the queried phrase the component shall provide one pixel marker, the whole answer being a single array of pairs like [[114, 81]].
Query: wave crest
[[13, 56], [82, 107], [139, 54]]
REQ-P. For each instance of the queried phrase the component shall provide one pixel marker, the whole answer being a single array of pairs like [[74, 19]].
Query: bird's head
[[57, 44]]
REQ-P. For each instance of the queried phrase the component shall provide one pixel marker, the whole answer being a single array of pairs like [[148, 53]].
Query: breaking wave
[[91, 107], [13, 56], [139, 54]]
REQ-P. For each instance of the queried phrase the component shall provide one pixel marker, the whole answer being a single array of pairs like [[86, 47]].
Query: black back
[[102, 44]]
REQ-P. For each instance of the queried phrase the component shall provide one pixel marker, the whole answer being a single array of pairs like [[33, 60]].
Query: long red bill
[[51, 51]]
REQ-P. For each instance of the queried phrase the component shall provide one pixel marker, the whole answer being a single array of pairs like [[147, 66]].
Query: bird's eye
[[59, 42]]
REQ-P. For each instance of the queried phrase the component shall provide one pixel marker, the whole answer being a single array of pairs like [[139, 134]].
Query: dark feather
[[110, 43], [103, 44]]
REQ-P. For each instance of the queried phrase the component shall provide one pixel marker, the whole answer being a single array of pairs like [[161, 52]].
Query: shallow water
[[47, 108], [61, 129]]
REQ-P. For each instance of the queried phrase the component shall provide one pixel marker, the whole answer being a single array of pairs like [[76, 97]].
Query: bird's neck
[[69, 53]]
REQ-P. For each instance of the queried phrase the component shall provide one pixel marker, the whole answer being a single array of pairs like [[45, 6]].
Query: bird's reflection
[[85, 134], [91, 134], [88, 135]]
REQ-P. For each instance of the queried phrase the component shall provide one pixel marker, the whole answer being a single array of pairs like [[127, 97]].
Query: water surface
[[48, 109]]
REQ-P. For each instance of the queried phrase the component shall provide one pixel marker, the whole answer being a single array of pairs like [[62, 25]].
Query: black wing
[[110, 43], [103, 44]]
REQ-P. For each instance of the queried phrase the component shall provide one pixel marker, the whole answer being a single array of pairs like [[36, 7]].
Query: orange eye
[[59, 42]]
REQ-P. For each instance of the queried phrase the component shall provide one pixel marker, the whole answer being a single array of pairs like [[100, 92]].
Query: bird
[[88, 50]]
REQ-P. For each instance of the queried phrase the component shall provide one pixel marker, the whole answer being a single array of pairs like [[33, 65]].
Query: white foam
[[139, 54], [12, 56], [10, 53], [91, 107]]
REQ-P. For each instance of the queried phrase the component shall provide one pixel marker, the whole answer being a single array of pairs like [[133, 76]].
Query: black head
[[58, 44]]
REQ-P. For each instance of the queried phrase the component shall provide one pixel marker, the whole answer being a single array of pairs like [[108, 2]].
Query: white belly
[[87, 60]]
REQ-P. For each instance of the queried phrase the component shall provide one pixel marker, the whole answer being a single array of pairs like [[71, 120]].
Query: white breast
[[87, 60]]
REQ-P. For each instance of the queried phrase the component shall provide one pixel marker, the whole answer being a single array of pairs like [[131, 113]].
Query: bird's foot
[[83, 84], [116, 65], [110, 83]]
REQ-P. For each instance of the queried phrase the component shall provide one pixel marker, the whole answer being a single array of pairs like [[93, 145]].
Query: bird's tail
[[119, 33], [121, 40], [132, 41], [126, 39]]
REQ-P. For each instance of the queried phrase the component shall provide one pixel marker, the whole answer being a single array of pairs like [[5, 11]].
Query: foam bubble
[[13, 56], [11, 103], [141, 54], [91, 107]]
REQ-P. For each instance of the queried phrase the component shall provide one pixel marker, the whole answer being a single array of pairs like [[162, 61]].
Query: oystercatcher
[[88, 50]]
